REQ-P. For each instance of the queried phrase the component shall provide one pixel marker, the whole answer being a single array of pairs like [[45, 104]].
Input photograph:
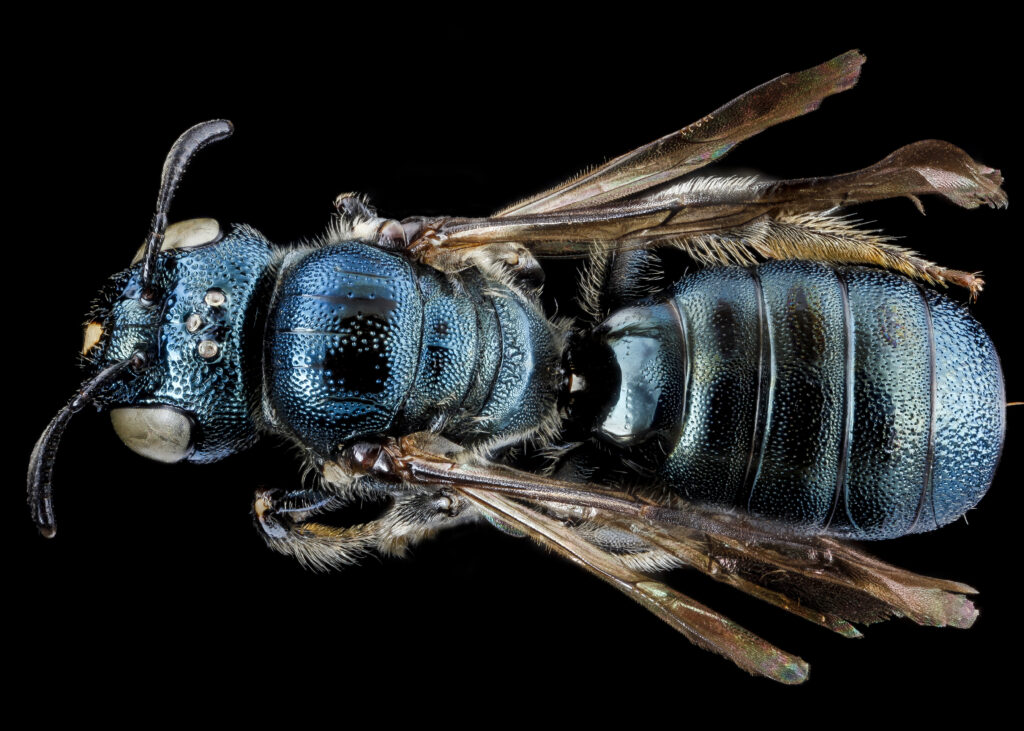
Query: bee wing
[[836, 582], [702, 626], [638, 200], [700, 143], [820, 579], [722, 207]]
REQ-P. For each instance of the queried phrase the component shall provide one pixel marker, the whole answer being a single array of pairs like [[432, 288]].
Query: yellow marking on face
[[262, 505], [93, 333]]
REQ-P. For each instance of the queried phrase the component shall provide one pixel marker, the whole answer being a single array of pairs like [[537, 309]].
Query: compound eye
[[157, 432], [190, 234]]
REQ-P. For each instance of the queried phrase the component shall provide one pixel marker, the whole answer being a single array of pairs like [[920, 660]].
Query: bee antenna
[[44, 454], [182, 151]]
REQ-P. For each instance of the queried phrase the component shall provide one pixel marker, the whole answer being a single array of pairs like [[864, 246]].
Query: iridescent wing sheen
[[702, 626], [700, 143], [729, 220], [639, 200], [818, 578], [710, 205]]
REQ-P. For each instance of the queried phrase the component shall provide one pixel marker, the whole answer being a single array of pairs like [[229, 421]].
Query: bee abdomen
[[842, 401]]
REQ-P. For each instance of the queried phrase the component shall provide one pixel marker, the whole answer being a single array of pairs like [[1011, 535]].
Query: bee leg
[[284, 521], [418, 515], [562, 519], [504, 261], [627, 547], [632, 276], [281, 517], [358, 220], [611, 280], [824, 237], [507, 259]]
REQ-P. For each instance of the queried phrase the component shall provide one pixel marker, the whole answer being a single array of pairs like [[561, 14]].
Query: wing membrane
[[733, 221], [702, 142], [702, 626], [709, 206], [638, 201], [853, 585], [817, 578]]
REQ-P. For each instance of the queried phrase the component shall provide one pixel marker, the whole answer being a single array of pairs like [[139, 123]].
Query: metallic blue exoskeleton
[[362, 342], [847, 401], [327, 345], [219, 394], [737, 419], [839, 401]]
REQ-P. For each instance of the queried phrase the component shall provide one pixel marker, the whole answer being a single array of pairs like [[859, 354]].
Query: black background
[[158, 586]]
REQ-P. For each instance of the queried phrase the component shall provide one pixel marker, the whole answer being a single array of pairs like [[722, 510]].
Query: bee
[[442, 455]]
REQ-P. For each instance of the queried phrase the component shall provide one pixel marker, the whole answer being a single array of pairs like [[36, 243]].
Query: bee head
[[165, 345], [191, 391]]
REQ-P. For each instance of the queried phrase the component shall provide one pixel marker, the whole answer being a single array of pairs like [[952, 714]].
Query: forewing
[[700, 143], [831, 578], [638, 200], [702, 626], [732, 221], [820, 579], [719, 206]]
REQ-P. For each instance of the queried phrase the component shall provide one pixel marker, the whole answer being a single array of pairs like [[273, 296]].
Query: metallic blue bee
[[770, 409]]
